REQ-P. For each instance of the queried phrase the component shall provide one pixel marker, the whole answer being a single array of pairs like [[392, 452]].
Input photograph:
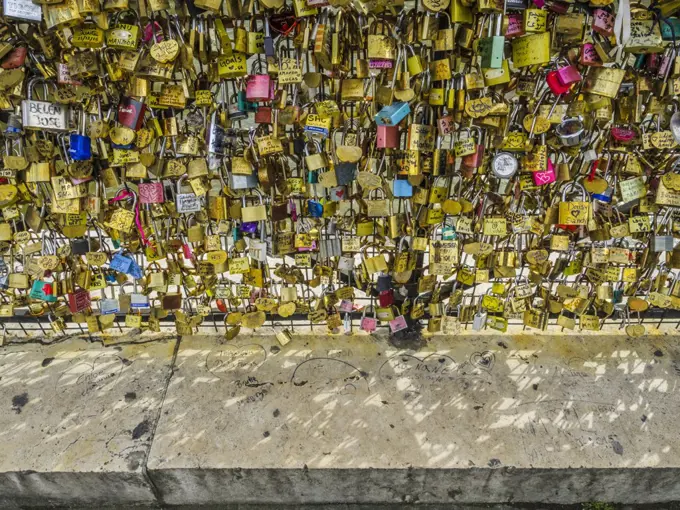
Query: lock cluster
[[358, 164]]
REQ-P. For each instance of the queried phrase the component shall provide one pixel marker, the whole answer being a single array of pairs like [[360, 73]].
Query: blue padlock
[[315, 208], [43, 290], [402, 188], [135, 271], [120, 263], [80, 147], [449, 233], [393, 114]]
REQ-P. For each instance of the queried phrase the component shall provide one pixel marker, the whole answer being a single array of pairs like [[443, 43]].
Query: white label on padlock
[[188, 203], [108, 306], [43, 115], [346, 263], [22, 9], [139, 301]]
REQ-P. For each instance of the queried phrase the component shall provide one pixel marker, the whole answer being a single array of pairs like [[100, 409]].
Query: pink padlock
[[446, 123], [603, 22], [666, 61], [546, 176], [64, 76], [589, 56], [258, 88], [515, 26], [568, 75], [398, 324], [187, 251], [151, 193], [368, 324], [388, 137]]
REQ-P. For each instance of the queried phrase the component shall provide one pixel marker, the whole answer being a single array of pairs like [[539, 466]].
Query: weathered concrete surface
[[518, 418], [76, 422]]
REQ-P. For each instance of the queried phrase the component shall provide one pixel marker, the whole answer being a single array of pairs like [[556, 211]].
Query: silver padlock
[[479, 320], [43, 115], [662, 241], [24, 10], [240, 181], [186, 202], [108, 306]]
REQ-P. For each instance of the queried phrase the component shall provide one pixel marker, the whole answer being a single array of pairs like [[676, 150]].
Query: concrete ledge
[[464, 420], [525, 421], [77, 421]]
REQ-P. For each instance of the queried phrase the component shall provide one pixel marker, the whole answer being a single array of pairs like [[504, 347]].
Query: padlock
[[124, 36], [387, 137], [186, 203], [543, 177], [475, 159], [151, 192], [42, 115], [80, 145], [368, 324], [258, 88], [130, 113], [491, 47], [574, 213], [253, 213]]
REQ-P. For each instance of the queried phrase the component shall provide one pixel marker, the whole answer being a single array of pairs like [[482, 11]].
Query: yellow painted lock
[[414, 62]]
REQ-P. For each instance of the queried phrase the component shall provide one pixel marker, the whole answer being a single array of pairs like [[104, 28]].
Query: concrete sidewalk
[[461, 421]]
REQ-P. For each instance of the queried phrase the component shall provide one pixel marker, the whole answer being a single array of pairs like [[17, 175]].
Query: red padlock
[[263, 115], [15, 58], [131, 113], [221, 305], [556, 87], [475, 160], [386, 298], [388, 137]]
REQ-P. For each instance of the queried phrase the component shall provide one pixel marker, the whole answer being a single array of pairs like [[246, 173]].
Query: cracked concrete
[[331, 420]]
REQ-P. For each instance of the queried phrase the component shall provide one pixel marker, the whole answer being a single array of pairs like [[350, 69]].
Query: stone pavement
[[459, 421]]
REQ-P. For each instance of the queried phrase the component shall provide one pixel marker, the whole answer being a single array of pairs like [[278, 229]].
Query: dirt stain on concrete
[[18, 402]]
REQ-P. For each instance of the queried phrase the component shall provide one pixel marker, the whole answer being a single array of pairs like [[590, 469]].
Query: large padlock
[[258, 88], [42, 115], [574, 212], [124, 36], [122, 219], [253, 213]]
